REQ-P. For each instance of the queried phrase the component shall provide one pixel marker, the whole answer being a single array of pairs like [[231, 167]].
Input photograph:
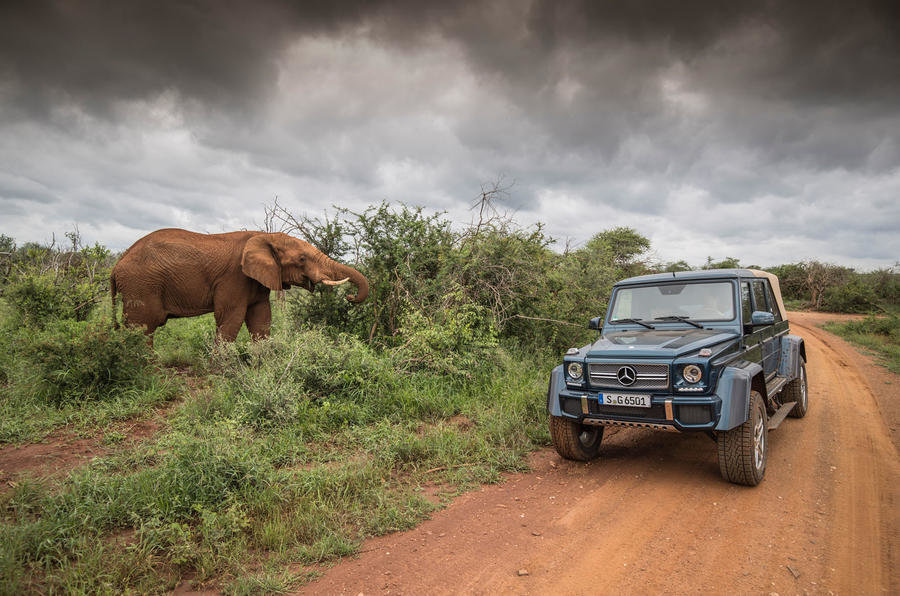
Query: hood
[[664, 343]]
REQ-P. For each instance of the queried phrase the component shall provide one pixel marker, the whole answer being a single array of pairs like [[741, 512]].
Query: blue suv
[[697, 351]]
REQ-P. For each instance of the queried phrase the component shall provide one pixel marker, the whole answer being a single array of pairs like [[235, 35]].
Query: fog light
[[575, 370], [692, 373]]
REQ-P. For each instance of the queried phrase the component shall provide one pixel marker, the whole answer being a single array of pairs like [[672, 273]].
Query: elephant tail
[[112, 298]]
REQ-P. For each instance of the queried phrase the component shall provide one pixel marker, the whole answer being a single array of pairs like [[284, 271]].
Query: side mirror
[[596, 324], [761, 317]]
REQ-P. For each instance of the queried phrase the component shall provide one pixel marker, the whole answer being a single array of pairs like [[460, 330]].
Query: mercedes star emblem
[[626, 375]]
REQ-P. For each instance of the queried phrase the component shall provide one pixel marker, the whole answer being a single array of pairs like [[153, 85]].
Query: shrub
[[854, 296], [792, 280], [458, 337], [42, 283], [72, 361], [888, 327], [40, 297], [274, 382], [400, 251], [886, 284], [535, 297]]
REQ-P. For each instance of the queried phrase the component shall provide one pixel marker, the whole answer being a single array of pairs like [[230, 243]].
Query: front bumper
[[666, 411]]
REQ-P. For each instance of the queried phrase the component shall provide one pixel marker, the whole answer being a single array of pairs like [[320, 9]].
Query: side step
[[776, 385], [779, 416]]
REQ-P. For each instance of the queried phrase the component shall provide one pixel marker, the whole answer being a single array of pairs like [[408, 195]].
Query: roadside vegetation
[[280, 455], [879, 335], [831, 288]]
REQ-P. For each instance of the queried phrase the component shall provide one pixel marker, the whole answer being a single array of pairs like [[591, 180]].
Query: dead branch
[[440, 468], [518, 316]]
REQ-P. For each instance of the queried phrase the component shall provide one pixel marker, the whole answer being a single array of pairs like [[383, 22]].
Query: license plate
[[625, 399]]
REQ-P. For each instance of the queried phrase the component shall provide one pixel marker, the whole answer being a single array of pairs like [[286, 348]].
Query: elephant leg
[[259, 319], [229, 321], [147, 313]]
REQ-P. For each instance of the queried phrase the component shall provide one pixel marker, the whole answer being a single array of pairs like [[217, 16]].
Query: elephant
[[174, 273]]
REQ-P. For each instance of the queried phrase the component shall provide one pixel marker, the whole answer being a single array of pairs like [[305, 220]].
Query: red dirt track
[[653, 515]]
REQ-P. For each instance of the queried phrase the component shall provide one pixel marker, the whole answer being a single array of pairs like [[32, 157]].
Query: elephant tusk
[[329, 282]]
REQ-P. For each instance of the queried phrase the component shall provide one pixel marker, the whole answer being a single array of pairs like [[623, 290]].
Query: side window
[[745, 302], [773, 306], [759, 295]]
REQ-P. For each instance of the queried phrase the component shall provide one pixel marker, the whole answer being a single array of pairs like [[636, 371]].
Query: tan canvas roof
[[776, 289]]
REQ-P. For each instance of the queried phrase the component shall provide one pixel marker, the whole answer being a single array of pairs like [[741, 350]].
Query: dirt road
[[653, 515]]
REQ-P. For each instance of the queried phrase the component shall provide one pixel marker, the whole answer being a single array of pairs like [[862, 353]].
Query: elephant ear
[[259, 262]]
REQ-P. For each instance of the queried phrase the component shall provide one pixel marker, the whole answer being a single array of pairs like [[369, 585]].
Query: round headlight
[[575, 369], [692, 373]]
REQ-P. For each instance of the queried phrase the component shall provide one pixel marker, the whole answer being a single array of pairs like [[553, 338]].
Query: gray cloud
[[678, 119]]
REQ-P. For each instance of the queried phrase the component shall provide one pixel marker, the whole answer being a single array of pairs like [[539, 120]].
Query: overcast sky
[[766, 131]]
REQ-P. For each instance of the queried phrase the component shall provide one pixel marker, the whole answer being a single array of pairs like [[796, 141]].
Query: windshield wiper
[[638, 321], [679, 318]]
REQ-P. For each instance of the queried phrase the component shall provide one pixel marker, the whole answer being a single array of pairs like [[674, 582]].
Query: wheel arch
[[734, 387], [793, 351], [557, 384]]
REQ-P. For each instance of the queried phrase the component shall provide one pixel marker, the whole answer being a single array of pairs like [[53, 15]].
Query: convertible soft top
[[776, 289]]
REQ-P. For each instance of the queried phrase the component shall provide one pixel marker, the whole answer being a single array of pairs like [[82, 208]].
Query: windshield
[[713, 301]]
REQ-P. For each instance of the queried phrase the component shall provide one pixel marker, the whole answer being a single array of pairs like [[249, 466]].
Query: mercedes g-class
[[696, 351]]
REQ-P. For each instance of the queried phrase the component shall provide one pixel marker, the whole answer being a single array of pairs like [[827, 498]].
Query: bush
[[886, 284], [72, 361], [879, 334], [43, 283], [308, 376], [401, 251], [888, 327], [536, 298], [459, 337], [38, 298], [853, 296], [792, 280]]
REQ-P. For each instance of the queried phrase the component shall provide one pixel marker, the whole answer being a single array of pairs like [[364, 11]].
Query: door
[[771, 343]]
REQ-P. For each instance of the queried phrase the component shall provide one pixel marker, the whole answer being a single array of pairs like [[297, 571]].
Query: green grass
[[290, 452], [879, 335], [25, 420], [79, 375], [796, 305]]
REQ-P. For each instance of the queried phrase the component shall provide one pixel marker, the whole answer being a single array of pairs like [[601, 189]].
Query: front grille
[[649, 376]]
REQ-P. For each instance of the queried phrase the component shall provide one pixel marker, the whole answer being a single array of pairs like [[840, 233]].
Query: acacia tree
[[726, 263], [622, 247], [821, 276]]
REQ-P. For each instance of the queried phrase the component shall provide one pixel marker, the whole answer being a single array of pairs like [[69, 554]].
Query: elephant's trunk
[[339, 273]]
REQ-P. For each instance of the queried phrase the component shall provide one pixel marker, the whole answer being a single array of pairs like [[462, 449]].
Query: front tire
[[574, 440], [743, 450], [798, 391]]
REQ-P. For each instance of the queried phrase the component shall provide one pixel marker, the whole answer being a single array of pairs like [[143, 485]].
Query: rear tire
[[743, 450], [798, 391], [574, 440]]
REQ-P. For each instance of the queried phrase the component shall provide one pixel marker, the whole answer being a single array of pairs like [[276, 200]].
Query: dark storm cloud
[[93, 51], [630, 109], [96, 53], [221, 52]]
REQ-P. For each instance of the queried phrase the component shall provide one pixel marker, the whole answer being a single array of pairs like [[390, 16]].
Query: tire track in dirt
[[652, 514], [866, 523]]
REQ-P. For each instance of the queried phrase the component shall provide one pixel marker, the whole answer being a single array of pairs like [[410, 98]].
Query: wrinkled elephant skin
[[174, 273]]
